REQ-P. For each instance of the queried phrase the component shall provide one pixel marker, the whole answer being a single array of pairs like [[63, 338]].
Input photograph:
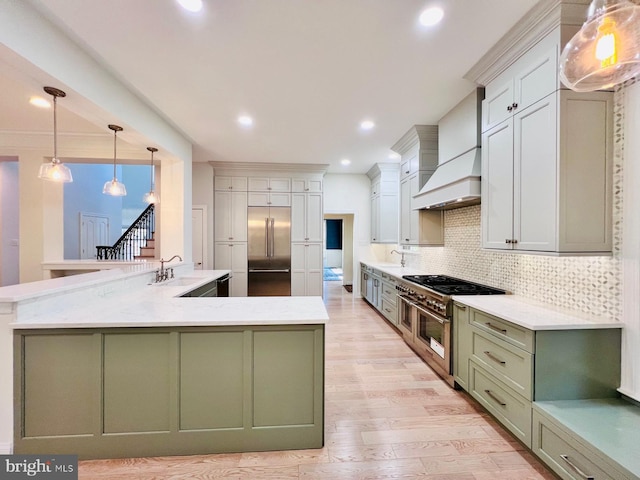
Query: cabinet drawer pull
[[507, 240], [514, 105], [497, 329], [494, 398], [461, 307], [514, 241], [387, 310], [494, 358], [509, 108], [576, 469]]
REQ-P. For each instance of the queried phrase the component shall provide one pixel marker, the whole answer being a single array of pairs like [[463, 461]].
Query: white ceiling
[[308, 71]]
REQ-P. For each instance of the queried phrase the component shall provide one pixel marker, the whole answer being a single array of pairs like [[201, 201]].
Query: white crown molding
[[378, 168], [267, 169], [541, 20], [425, 135]]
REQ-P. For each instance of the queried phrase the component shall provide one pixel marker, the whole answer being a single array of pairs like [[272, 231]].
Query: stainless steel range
[[425, 311]]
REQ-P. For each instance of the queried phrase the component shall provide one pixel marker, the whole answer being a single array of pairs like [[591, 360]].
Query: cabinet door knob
[[509, 108], [230, 238], [514, 241], [406, 239], [514, 105], [230, 187], [306, 189], [407, 171], [507, 240]]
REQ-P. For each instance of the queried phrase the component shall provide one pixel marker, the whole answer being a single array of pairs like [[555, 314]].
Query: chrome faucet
[[163, 274], [399, 253]]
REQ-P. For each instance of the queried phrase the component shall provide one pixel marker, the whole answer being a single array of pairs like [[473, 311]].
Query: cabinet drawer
[[389, 290], [389, 310], [513, 334], [511, 409], [511, 365], [566, 456]]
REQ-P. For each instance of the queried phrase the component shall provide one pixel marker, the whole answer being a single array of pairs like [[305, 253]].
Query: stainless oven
[[425, 312], [406, 317], [433, 339]]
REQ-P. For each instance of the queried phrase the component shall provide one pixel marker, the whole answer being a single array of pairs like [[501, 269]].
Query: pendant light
[[114, 187], [55, 171], [150, 196], [606, 50]]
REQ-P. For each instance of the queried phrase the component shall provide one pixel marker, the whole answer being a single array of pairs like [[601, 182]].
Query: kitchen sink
[[179, 282]]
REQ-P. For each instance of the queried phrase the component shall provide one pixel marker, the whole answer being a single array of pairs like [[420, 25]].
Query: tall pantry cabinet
[[230, 231], [306, 238], [238, 186]]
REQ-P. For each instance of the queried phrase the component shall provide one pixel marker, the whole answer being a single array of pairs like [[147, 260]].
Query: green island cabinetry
[[127, 392]]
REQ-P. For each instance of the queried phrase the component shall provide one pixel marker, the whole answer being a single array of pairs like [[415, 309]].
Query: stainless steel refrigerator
[[269, 251]]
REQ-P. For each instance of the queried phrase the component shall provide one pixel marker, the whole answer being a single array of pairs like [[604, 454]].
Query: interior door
[[198, 237], [94, 230]]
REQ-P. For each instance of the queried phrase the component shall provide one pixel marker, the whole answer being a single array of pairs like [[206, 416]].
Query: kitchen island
[[114, 365]]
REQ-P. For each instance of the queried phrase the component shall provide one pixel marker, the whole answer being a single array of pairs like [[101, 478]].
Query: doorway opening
[[338, 255]]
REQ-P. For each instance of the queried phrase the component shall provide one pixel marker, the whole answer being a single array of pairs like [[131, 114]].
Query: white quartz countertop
[[159, 305], [534, 315], [394, 269]]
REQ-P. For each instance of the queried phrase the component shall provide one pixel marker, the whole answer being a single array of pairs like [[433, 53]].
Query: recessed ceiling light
[[191, 5], [345, 162], [431, 16], [367, 125], [39, 102], [245, 120]]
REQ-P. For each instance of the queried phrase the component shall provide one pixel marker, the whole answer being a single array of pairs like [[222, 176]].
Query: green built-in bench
[[588, 439]]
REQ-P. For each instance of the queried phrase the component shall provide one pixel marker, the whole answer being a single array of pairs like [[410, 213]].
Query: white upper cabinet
[[269, 184], [306, 217], [384, 202], [529, 79], [547, 175], [269, 199], [230, 219], [306, 185], [230, 183]]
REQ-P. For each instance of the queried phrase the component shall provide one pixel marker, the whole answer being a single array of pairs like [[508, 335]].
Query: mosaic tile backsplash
[[587, 284]]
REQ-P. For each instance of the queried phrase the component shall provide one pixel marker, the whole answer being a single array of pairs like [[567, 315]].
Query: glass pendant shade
[[55, 171], [114, 187], [150, 196], [606, 50]]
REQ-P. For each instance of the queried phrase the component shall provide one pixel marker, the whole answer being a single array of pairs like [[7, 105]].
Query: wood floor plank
[[387, 416]]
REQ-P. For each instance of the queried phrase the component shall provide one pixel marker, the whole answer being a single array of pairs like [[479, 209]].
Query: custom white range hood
[[456, 181]]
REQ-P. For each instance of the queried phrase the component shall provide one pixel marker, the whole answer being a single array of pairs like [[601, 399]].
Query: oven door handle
[[406, 300], [441, 321]]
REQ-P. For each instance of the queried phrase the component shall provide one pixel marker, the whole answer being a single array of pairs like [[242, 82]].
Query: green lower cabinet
[[461, 345], [567, 455], [510, 408], [169, 391]]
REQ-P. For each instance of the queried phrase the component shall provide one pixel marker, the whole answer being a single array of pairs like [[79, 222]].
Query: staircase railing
[[136, 236]]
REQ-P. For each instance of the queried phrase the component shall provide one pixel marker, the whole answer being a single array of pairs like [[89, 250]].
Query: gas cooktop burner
[[452, 286]]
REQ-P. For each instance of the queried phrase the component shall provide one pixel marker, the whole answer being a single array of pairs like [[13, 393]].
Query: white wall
[[630, 375], [350, 194], [9, 224]]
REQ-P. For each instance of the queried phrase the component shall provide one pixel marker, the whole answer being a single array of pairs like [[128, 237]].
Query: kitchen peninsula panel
[[169, 391]]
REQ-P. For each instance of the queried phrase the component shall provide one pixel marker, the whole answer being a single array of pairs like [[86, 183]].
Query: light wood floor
[[388, 416]]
